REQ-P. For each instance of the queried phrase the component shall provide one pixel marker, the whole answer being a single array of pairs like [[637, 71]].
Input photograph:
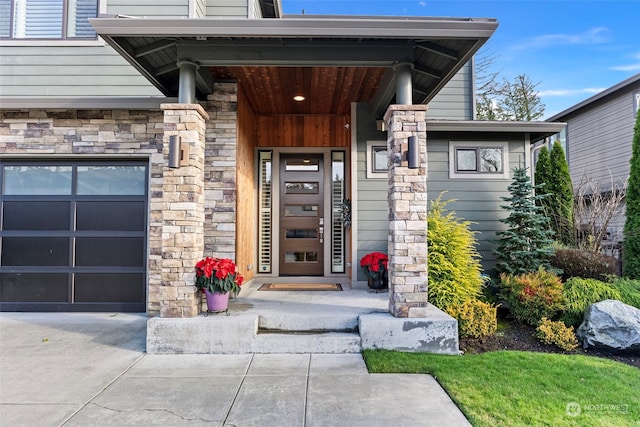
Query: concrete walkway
[[91, 370]]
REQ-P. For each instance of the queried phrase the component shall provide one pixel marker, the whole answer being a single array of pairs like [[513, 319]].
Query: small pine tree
[[526, 245], [560, 204], [631, 243], [454, 264]]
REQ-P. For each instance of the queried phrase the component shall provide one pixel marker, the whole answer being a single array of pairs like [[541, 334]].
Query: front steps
[[282, 332]]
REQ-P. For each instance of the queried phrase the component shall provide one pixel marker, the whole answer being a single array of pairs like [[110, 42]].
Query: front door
[[301, 215]]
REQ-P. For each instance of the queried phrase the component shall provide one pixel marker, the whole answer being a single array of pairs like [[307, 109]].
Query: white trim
[[481, 144], [352, 264], [371, 174], [50, 43]]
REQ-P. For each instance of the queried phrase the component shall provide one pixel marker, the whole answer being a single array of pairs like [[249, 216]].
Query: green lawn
[[514, 388]]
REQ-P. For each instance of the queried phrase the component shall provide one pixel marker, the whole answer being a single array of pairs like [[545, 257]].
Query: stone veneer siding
[[407, 248], [220, 172]]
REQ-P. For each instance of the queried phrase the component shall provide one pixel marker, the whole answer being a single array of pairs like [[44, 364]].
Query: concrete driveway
[[78, 369]]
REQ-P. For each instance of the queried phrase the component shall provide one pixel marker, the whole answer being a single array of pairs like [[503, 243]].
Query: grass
[[513, 388]]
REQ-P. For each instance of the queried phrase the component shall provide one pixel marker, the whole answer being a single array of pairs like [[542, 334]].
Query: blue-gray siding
[[455, 100]]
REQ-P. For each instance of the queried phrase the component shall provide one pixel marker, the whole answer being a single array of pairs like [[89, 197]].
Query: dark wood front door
[[301, 215]]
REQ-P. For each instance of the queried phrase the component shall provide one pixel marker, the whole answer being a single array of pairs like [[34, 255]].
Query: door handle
[[321, 231]]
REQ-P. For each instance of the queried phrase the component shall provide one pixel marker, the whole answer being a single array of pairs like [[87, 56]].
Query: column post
[[182, 210], [407, 196]]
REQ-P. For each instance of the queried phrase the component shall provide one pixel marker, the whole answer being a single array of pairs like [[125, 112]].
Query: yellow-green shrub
[[475, 318], [454, 263], [556, 333]]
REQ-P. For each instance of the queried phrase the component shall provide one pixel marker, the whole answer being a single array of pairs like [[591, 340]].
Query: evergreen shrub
[[585, 264], [629, 291], [454, 264], [532, 296], [475, 318], [556, 333], [578, 294]]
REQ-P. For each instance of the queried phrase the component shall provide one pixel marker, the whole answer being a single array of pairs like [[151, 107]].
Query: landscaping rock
[[611, 325]]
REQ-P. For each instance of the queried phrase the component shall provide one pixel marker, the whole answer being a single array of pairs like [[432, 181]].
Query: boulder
[[611, 325]]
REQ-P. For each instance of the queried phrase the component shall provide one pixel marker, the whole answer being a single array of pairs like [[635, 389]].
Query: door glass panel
[[35, 251], [106, 287], [301, 210], [300, 257], [36, 216], [301, 187], [264, 225], [34, 287], [111, 180], [37, 180], [301, 234], [302, 165], [115, 216], [109, 251], [340, 212]]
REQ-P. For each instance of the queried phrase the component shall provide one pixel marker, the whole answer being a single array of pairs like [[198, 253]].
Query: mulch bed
[[520, 337]]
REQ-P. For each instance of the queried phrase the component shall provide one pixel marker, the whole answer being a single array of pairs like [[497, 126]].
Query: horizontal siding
[[228, 8], [455, 100], [155, 8], [599, 141], [69, 71], [478, 201]]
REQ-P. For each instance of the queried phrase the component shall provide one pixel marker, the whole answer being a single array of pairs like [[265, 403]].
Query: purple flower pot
[[217, 301]]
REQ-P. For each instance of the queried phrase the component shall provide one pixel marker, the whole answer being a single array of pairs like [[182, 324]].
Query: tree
[[631, 243], [519, 99], [543, 172], [486, 87], [526, 245], [511, 101]]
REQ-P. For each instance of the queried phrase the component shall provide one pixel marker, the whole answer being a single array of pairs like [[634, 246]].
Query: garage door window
[[73, 236]]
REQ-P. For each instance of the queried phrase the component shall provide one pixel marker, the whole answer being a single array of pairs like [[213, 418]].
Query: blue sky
[[574, 48]]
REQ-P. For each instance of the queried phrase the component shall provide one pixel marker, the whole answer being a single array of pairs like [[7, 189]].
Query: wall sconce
[[413, 153], [178, 152], [174, 151]]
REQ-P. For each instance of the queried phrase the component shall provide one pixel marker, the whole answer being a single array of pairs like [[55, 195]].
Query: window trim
[[372, 173], [455, 145]]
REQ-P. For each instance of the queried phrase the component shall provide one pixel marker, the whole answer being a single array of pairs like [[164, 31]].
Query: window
[[478, 160], [47, 19], [377, 159]]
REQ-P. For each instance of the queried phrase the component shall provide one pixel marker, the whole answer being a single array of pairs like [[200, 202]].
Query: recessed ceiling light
[[299, 98]]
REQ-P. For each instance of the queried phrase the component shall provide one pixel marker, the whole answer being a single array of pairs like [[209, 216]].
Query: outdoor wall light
[[174, 151], [299, 98], [413, 153]]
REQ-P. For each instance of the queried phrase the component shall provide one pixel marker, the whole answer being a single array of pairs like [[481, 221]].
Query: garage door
[[73, 236]]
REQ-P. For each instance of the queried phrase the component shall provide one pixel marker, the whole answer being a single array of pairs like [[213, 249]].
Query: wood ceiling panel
[[328, 90]]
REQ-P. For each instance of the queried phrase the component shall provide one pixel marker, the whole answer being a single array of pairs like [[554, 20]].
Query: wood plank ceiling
[[327, 90]]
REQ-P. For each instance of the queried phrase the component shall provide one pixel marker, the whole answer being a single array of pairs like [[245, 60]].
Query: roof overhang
[[536, 130], [436, 47]]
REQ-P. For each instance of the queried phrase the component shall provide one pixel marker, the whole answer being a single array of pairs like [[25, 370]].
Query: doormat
[[301, 287]]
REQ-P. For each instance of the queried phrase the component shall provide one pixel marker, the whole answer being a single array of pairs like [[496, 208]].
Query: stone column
[[407, 213], [182, 212]]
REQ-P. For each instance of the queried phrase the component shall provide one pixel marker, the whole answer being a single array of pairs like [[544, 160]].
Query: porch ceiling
[[337, 60]]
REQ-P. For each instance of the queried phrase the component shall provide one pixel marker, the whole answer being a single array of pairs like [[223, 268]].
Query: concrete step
[[336, 322], [306, 342]]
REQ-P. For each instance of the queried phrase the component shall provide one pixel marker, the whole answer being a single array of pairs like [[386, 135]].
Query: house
[[133, 146], [597, 142]]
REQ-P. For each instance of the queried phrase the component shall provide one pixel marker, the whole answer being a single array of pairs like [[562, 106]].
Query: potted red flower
[[376, 266], [217, 277]]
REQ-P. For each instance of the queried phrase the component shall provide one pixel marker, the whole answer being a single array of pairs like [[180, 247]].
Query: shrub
[[629, 291], [556, 333], [579, 294], [532, 296], [585, 264], [454, 265], [475, 318], [631, 242]]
